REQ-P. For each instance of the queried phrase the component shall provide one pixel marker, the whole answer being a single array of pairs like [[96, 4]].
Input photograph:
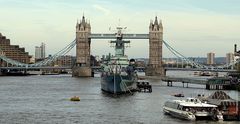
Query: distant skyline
[[192, 27]]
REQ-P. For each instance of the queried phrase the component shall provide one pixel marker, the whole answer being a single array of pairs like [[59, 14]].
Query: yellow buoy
[[75, 98]]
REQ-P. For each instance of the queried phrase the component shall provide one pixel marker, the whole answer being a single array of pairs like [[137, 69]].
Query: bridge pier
[[82, 72], [215, 87], [169, 83], [184, 84], [25, 72], [150, 71]]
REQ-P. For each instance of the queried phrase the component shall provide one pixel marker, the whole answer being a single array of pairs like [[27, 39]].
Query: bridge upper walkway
[[125, 36]]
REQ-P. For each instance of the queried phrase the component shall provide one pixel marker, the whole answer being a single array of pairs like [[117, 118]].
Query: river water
[[45, 100]]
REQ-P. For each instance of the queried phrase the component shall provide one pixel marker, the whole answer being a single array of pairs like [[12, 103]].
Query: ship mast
[[119, 43]]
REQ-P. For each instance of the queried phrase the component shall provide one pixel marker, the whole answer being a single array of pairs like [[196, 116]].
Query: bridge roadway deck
[[201, 81], [44, 67], [138, 68], [199, 69]]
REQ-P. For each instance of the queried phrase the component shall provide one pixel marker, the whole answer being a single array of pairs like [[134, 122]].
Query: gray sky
[[192, 27]]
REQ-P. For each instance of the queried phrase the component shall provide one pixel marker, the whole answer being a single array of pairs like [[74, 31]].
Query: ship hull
[[117, 84]]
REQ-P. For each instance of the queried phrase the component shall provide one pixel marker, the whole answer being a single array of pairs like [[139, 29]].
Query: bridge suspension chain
[[182, 57], [197, 65], [62, 52]]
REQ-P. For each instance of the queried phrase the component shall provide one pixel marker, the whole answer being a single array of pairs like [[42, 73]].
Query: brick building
[[12, 51], [64, 61]]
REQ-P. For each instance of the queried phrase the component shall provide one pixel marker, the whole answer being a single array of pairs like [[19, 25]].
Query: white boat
[[191, 109]]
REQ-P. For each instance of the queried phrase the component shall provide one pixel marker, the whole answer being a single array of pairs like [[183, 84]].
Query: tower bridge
[[82, 67], [83, 43]]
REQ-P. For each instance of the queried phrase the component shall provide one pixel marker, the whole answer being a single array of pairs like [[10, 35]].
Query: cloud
[[102, 9]]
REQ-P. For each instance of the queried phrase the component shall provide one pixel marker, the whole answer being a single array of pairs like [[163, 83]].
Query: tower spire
[[151, 24], [83, 19], [160, 23], [235, 48], [77, 23], [156, 21]]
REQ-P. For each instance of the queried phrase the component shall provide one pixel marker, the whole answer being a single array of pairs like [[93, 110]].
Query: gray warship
[[119, 75]]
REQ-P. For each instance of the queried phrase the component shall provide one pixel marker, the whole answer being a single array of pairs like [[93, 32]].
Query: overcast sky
[[192, 27]]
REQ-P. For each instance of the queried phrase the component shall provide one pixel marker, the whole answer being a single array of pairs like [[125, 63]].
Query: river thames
[[45, 99]]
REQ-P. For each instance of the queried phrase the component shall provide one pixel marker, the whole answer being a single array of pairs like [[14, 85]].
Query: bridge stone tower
[[82, 67], [154, 67]]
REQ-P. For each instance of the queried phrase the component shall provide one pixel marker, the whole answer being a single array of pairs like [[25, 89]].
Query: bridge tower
[[155, 67], [82, 67]]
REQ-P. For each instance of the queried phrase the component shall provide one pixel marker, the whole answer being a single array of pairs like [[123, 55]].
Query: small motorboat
[[75, 98]]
